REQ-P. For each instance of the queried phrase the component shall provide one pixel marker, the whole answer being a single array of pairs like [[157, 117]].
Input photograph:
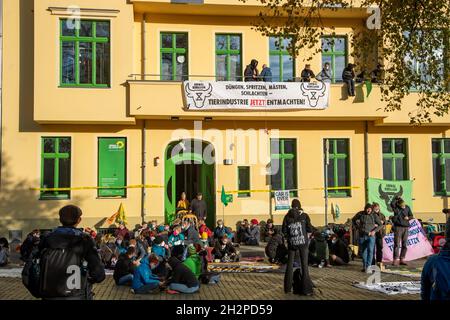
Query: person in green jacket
[[193, 261]]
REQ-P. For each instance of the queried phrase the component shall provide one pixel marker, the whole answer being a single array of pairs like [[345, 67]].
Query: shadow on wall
[[20, 208]]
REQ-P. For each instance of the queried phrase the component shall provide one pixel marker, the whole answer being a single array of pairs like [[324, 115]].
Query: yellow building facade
[[103, 105]]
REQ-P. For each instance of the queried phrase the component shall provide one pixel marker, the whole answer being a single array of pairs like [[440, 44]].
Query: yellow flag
[[121, 217]]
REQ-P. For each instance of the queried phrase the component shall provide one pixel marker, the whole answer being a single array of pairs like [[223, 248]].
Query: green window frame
[[336, 156], [331, 55], [174, 51], [57, 149], [244, 181], [391, 155], [228, 52], [279, 53], [99, 43], [441, 166], [280, 154]]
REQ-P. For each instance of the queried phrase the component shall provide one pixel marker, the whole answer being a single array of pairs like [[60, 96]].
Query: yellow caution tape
[[304, 189], [138, 186]]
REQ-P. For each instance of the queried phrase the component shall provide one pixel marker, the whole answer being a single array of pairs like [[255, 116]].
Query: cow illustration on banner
[[383, 191], [248, 96]]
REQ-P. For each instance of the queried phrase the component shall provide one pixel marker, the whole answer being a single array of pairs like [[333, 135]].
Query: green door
[[170, 198], [207, 185]]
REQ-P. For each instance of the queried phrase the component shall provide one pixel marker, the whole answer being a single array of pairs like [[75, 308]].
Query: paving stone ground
[[331, 284]]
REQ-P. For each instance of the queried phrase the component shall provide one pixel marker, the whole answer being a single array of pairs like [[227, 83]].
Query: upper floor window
[[228, 57], [174, 56], [282, 63], [334, 51], [441, 166], [338, 167], [395, 159], [85, 54]]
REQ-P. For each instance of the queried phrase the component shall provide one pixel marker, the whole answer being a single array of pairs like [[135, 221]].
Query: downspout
[[366, 160], [144, 46], [1, 88], [144, 131]]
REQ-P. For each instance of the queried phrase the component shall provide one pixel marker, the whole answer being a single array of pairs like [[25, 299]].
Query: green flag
[[383, 191], [369, 87], [224, 197]]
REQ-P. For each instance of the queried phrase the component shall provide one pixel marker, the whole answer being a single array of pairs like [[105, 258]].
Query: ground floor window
[[112, 167], [283, 164], [243, 181], [55, 167], [338, 166], [441, 166]]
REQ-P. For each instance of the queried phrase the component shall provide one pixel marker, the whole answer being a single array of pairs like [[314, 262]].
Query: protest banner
[[282, 200], [383, 191]]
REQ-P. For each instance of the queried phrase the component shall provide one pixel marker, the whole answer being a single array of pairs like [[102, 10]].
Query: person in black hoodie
[[124, 270], [68, 248], [251, 72], [296, 229], [224, 250], [276, 250], [348, 76], [402, 215], [182, 279], [30, 246], [338, 251]]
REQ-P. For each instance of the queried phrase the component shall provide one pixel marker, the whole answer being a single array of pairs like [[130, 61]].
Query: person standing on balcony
[[307, 74], [266, 74], [348, 76], [251, 72], [326, 75]]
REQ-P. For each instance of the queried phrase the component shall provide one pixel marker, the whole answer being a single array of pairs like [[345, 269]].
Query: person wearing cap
[[76, 245], [402, 216], [435, 280], [253, 233], [199, 207], [182, 279], [193, 261]]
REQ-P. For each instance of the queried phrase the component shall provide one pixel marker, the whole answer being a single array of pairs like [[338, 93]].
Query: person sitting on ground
[[153, 225], [109, 253], [251, 72], [268, 230], [266, 74], [182, 279], [144, 281], [163, 232], [220, 230], [276, 250], [253, 233], [140, 250], [176, 238], [30, 246], [241, 234], [193, 261], [338, 251], [4, 252], [123, 232], [121, 245], [160, 248], [225, 251], [91, 232], [124, 270], [319, 253], [307, 74], [191, 234], [203, 229]]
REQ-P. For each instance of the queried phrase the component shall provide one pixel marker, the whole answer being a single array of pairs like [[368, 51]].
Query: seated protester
[[276, 250], [193, 261], [121, 245], [153, 225], [203, 228], [206, 276], [220, 230], [182, 279], [4, 252], [191, 234], [140, 250], [109, 253], [144, 281], [268, 230], [176, 238], [122, 232], [318, 250], [225, 251], [159, 248], [31, 245], [338, 251], [253, 233], [163, 232], [241, 233], [124, 270]]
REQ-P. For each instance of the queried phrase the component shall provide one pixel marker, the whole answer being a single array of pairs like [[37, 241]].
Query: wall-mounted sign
[[225, 95], [282, 200], [112, 166]]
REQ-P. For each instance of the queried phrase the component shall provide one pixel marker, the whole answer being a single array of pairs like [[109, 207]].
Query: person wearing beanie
[[402, 216], [193, 261], [253, 233], [368, 225], [182, 279]]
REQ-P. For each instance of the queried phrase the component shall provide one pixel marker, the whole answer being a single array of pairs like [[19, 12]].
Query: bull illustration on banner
[[313, 91], [198, 93]]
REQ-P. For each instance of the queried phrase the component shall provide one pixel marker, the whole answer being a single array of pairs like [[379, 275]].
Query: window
[[395, 159], [55, 167], [112, 154], [338, 167], [228, 57], [334, 51], [441, 166], [281, 62], [174, 56], [283, 155], [243, 181]]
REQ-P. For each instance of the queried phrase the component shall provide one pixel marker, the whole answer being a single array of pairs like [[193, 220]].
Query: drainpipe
[[143, 171], [1, 86], [366, 160], [144, 46]]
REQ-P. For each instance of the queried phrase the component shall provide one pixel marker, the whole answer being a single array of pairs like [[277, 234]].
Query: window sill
[[53, 198], [110, 197], [83, 87], [339, 195], [244, 196]]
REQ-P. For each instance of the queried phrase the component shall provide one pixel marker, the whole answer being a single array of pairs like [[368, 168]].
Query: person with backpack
[[402, 216], [30, 245], [275, 249], [4, 252], [68, 260], [435, 280], [124, 270], [296, 229], [182, 279]]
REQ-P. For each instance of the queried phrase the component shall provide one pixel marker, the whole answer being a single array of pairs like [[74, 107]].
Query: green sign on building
[[112, 166]]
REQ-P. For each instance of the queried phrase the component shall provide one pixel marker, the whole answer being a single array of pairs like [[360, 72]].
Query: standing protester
[[348, 76], [199, 207], [266, 74], [296, 229], [251, 72], [65, 248], [307, 74], [379, 236], [402, 215], [368, 225], [326, 75]]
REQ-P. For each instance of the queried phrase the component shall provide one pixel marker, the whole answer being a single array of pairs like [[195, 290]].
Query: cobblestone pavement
[[331, 284]]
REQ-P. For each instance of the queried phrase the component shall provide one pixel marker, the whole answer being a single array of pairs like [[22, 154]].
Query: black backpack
[[31, 276]]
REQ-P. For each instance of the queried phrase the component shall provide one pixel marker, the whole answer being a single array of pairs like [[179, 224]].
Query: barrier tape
[[304, 189]]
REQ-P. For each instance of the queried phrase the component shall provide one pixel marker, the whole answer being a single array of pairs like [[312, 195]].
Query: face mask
[[175, 233], [334, 241], [119, 242], [220, 225]]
